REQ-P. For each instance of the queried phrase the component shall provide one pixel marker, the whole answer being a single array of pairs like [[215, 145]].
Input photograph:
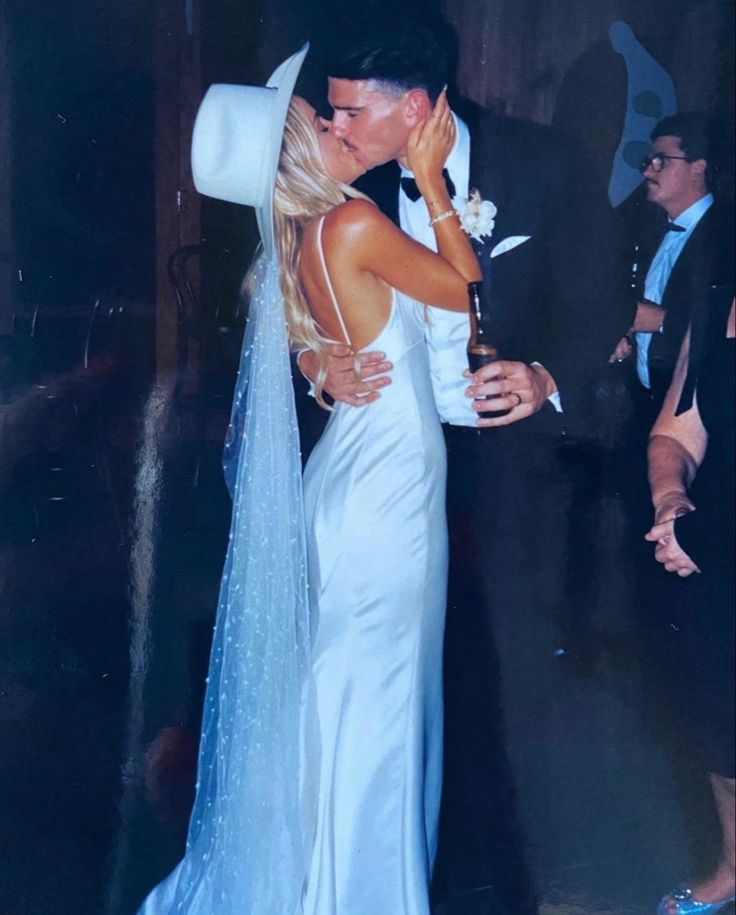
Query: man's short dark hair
[[403, 54], [701, 136]]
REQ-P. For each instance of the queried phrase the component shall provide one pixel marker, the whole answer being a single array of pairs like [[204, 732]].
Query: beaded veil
[[245, 848]]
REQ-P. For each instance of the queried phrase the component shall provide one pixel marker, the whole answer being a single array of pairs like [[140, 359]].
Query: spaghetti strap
[[344, 329]]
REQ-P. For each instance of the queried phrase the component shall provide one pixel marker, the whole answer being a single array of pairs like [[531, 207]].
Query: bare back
[[364, 298]]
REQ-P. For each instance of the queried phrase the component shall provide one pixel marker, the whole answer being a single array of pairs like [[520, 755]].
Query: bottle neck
[[478, 312]]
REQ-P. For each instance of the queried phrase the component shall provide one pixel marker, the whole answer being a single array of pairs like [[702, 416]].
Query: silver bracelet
[[446, 215]]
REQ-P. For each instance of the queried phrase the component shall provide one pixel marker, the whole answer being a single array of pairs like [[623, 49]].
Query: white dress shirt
[[660, 270]]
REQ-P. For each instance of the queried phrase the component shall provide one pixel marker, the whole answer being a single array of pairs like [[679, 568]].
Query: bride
[[320, 762]]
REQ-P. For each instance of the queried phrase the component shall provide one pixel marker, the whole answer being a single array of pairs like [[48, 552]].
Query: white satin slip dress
[[374, 490]]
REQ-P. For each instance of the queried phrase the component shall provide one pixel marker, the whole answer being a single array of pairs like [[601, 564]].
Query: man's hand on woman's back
[[352, 378]]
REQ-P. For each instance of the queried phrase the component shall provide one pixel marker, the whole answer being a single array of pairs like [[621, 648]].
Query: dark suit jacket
[[553, 298], [707, 260], [710, 311]]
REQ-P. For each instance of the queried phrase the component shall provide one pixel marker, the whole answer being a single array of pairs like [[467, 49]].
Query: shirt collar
[[690, 217]]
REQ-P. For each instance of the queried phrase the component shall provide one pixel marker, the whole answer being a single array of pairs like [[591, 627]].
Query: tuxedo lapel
[[498, 173], [491, 177], [684, 274]]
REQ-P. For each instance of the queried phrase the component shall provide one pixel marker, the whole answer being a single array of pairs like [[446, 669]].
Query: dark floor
[[114, 519]]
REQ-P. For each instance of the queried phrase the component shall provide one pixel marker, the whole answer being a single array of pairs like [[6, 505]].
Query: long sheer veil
[[245, 853]]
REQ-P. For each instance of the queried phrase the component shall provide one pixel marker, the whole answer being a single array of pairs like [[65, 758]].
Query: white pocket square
[[508, 243]]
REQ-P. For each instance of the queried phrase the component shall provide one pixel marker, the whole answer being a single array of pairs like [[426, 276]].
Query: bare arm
[[427, 151], [676, 449], [648, 320], [677, 443], [373, 244]]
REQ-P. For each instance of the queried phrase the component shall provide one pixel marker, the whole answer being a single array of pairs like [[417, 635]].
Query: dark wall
[[81, 146], [82, 124], [527, 48]]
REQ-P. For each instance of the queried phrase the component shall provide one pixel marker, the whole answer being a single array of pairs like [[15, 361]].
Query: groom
[[511, 482]]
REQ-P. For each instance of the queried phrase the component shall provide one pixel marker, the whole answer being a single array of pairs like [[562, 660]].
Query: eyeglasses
[[657, 162]]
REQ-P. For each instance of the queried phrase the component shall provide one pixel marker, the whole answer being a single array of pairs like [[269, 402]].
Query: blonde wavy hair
[[303, 191]]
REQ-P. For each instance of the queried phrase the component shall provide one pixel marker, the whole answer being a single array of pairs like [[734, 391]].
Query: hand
[[343, 382], [623, 351], [430, 144], [668, 551], [515, 386]]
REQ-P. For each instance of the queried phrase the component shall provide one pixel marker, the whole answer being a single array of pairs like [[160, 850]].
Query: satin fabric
[[374, 492]]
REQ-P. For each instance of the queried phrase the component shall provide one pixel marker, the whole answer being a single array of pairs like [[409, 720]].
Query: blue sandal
[[686, 905]]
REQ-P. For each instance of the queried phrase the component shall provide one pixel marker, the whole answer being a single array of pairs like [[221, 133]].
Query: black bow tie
[[409, 186], [673, 227]]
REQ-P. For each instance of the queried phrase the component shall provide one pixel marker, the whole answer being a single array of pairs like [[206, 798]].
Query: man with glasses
[[694, 252]]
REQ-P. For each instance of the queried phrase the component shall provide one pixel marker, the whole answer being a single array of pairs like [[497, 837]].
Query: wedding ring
[[356, 368]]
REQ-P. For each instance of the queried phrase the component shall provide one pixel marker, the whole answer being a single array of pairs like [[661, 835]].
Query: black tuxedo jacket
[[553, 298], [709, 317], [707, 260]]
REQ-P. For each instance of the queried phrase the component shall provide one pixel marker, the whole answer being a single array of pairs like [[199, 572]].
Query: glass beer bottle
[[481, 349]]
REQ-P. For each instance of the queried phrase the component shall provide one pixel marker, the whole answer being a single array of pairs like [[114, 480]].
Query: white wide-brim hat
[[237, 139]]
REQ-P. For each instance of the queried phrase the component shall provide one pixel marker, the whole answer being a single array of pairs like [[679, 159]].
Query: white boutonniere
[[477, 216]]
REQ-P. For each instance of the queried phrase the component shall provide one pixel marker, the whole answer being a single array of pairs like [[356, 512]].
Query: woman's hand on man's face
[[431, 142]]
